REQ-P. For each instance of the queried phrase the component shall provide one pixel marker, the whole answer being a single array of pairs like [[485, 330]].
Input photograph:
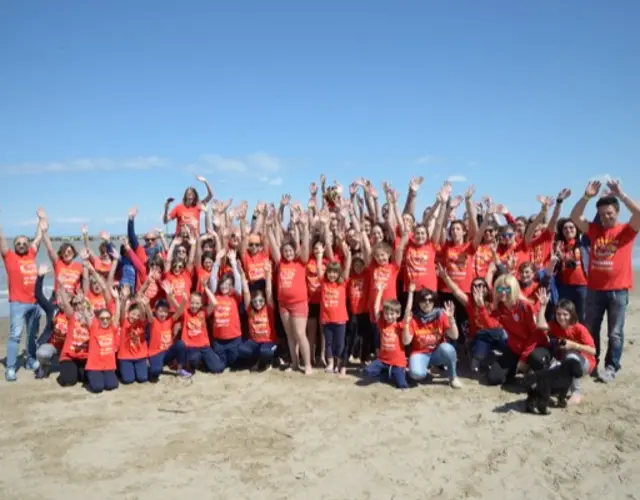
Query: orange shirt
[[530, 291], [482, 260], [186, 216], [391, 347], [154, 292], [458, 261], [102, 347], [194, 329], [357, 289], [540, 249], [518, 250], [181, 284], [22, 273], [610, 266], [202, 274], [428, 336], [420, 266], [311, 277], [161, 337], [253, 265], [574, 275], [76, 342], [576, 333], [387, 275], [102, 267], [292, 288], [333, 302], [68, 275], [226, 318], [59, 332], [97, 300], [261, 325], [133, 344]]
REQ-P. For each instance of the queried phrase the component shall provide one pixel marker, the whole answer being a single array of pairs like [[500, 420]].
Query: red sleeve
[[509, 218], [137, 264], [175, 212], [546, 235], [142, 255], [445, 323], [627, 235], [584, 337]]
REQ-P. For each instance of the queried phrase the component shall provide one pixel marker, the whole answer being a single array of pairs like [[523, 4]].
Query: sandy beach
[[277, 436]]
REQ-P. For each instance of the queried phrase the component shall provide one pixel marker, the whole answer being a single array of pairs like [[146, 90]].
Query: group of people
[[352, 277]]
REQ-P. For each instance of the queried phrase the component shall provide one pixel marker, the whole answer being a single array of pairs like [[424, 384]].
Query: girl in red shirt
[[292, 290], [103, 344], [259, 349], [333, 307], [133, 351], [162, 351], [359, 333], [573, 273]]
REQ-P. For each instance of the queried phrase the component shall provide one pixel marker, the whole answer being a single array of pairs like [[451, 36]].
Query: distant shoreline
[[114, 237]]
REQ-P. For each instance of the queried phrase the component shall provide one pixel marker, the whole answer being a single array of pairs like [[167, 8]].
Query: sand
[[276, 435]]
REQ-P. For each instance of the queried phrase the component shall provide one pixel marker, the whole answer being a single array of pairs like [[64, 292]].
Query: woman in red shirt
[[259, 349], [572, 276], [527, 344], [67, 271], [103, 344], [187, 213], [292, 290], [333, 307]]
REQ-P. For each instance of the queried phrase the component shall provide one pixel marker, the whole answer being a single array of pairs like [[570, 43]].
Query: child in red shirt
[[103, 344], [162, 350], [392, 362]]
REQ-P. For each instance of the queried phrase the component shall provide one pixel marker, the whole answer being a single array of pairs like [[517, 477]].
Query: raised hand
[[412, 287], [41, 214], [169, 201], [455, 202], [563, 195], [84, 230], [167, 287], [441, 271], [470, 192], [415, 183], [268, 269], [615, 188], [486, 199], [43, 270], [445, 192], [449, 309], [500, 209], [592, 189], [543, 296], [353, 188], [313, 189], [380, 286], [133, 211], [231, 256], [286, 198], [200, 178], [84, 254], [105, 236], [478, 297]]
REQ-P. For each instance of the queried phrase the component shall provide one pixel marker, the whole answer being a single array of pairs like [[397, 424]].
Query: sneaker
[[10, 375], [184, 373], [607, 375], [40, 373], [455, 383], [32, 364], [475, 365]]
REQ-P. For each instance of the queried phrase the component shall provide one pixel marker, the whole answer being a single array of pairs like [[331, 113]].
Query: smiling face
[[177, 267], [521, 226], [134, 314], [181, 253], [162, 312], [21, 245], [569, 230], [288, 253], [190, 197], [195, 303], [426, 303], [377, 233], [420, 235], [225, 285], [563, 318], [257, 300], [608, 215], [457, 232], [366, 226], [67, 253]]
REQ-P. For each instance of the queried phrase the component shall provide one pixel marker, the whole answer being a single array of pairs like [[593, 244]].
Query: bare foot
[[575, 399], [329, 368], [308, 370], [343, 372]]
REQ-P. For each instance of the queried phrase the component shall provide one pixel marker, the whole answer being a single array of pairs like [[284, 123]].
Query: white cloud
[[85, 165], [426, 160], [457, 178], [260, 165]]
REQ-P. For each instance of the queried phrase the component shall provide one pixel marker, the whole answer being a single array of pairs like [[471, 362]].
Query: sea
[[43, 258]]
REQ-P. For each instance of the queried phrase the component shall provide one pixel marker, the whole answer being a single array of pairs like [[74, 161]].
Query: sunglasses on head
[[503, 289]]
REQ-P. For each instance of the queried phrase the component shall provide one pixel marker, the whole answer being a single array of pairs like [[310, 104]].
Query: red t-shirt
[[161, 337], [387, 275], [333, 302], [540, 249], [458, 261], [311, 278], [419, 266], [577, 333], [22, 273], [428, 336], [201, 274], [479, 319], [97, 300], [357, 289], [518, 250], [102, 267], [574, 275], [226, 318], [482, 260], [194, 329], [520, 324], [261, 325], [181, 284], [68, 275], [292, 288], [391, 347], [610, 266], [253, 265], [59, 332], [102, 347], [76, 342], [133, 344], [186, 216]]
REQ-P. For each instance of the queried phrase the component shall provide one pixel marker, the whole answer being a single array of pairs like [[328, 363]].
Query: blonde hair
[[506, 281], [392, 305]]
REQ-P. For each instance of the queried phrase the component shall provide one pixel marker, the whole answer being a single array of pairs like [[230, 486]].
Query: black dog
[[544, 383]]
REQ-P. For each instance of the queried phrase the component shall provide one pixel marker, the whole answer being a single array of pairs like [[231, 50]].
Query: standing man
[[22, 273], [610, 269]]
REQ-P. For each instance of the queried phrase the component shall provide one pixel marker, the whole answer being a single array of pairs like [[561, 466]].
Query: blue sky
[[110, 104]]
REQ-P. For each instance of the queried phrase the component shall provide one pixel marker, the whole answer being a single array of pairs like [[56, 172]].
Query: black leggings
[[359, 338], [504, 369], [72, 372]]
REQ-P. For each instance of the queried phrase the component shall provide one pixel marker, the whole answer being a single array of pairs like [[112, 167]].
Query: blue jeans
[[444, 355], [577, 295], [395, 375], [22, 315], [486, 341], [614, 303], [334, 334], [101, 380], [133, 369], [253, 351], [228, 350], [193, 356], [160, 360]]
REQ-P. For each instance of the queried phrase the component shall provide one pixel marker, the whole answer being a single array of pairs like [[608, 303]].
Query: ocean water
[[43, 258]]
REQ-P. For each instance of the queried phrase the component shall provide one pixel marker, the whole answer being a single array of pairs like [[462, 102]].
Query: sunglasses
[[503, 289], [21, 243], [105, 318], [490, 230], [426, 299], [254, 245], [150, 240], [506, 235]]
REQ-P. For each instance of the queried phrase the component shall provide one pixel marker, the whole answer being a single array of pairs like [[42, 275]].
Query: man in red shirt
[[22, 273], [610, 268]]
